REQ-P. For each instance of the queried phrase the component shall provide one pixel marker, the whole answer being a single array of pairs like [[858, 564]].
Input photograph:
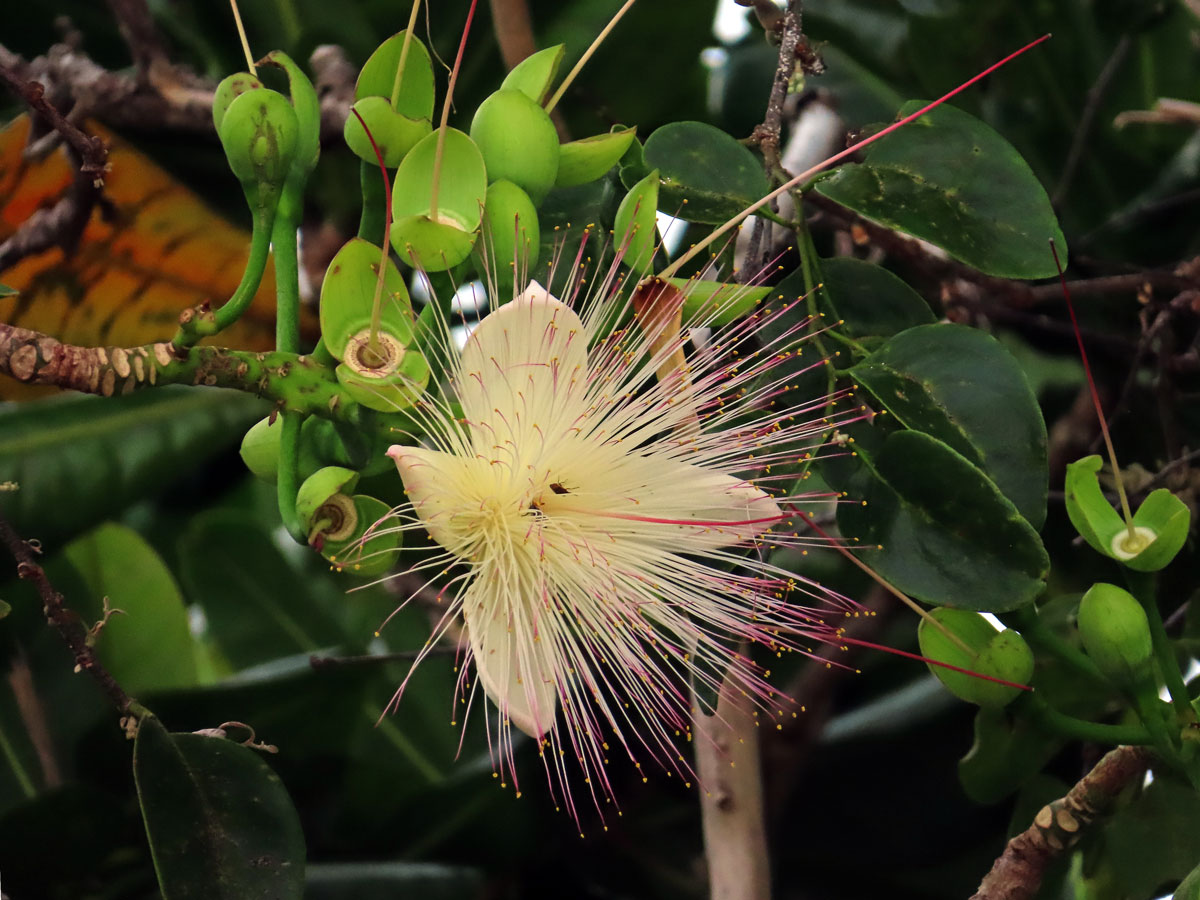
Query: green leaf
[[6, 291], [148, 646], [390, 880], [258, 607], [947, 535], [1155, 839], [81, 460], [1006, 754], [869, 300], [706, 176], [962, 387], [220, 823], [949, 179]]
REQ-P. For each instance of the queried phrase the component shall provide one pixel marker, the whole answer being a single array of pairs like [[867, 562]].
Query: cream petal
[[511, 663], [667, 501], [429, 476], [523, 369]]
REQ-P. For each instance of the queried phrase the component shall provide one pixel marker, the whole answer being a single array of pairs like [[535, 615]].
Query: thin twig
[[1095, 96], [145, 41], [62, 225], [1018, 873], [65, 622]]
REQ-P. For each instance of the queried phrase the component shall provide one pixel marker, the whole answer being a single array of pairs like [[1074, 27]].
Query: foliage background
[[865, 800]]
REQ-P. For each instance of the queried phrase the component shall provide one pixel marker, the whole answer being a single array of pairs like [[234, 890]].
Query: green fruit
[[1116, 635], [259, 132], [260, 448], [230, 88], [996, 654], [518, 142]]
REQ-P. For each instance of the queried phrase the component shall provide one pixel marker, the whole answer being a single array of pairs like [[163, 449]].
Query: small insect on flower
[[609, 514]]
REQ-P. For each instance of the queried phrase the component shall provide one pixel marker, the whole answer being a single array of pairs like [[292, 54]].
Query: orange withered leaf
[[153, 250]]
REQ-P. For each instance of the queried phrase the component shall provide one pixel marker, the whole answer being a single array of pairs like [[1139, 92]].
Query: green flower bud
[[518, 142], [1116, 635], [510, 238], [996, 654], [259, 132], [230, 88], [260, 448]]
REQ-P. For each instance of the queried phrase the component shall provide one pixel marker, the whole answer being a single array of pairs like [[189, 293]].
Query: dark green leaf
[[949, 179], [706, 176], [1007, 753], [390, 880], [258, 607], [80, 460], [962, 387], [946, 534], [220, 824], [1155, 840], [148, 645], [869, 300]]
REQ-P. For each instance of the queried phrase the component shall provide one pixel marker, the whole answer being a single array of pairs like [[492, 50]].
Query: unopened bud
[[1116, 635]]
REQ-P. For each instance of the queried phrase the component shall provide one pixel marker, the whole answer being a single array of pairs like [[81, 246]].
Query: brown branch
[[65, 622], [731, 798], [1018, 873], [145, 42], [61, 225]]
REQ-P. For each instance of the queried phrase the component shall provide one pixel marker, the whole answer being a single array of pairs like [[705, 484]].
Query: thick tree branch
[[145, 42], [731, 798], [1018, 873], [293, 381]]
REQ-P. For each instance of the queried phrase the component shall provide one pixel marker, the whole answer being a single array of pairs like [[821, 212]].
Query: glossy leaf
[[949, 179], [1155, 838], [1007, 752], [962, 387], [947, 535], [80, 460], [148, 645], [220, 823], [869, 300], [257, 606], [706, 176]]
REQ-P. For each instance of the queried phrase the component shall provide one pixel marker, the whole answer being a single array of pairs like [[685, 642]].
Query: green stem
[[287, 479], [370, 223], [14, 764], [193, 326], [1141, 584], [1069, 726], [287, 273]]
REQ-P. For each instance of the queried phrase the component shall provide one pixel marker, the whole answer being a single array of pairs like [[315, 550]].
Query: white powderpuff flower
[[606, 514]]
